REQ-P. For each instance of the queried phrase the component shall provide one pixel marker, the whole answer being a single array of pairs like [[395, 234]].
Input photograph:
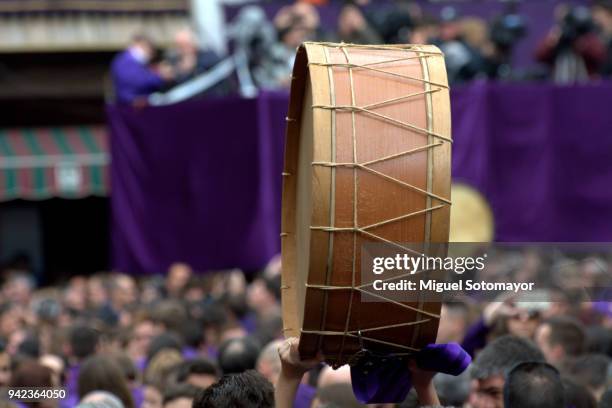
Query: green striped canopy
[[67, 162]]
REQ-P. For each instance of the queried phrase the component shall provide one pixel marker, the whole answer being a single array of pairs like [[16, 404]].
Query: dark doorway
[[75, 237]]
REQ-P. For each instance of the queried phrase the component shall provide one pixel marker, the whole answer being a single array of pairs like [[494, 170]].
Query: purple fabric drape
[[200, 181], [197, 182]]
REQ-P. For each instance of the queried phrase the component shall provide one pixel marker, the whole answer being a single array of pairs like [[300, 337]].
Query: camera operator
[[572, 48], [463, 62], [505, 32], [602, 15]]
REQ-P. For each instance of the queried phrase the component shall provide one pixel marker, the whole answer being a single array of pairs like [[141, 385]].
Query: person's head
[[238, 355], [264, 293], [602, 15], [143, 45], [170, 315], [523, 323], [560, 338], [144, 332], [55, 364], [245, 390], [10, 320], [201, 373], [123, 291], [18, 288], [31, 373], [577, 396], [97, 290], [185, 41], [178, 276], [591, 371], [269, 363], [453, 322], [152, 396], [162, 366], [489, 369], [100, 399], [5, 365], [102, 373], [162, 342], [84, 341], [533, 385], [179, 396]]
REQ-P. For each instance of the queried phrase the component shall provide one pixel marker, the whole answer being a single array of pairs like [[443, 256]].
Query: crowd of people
[[577, 48], [213, 340]]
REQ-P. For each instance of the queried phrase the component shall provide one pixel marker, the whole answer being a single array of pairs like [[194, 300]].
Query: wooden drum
[[367, 159]]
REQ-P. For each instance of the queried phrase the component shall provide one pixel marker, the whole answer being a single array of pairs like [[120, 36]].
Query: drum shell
[[325, 78]]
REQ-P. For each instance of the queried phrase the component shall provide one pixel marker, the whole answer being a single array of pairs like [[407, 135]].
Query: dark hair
[[102, 373], [144, 38], [590, 370], [534, 385], [176, 391], [30, 346], [164, 341], [238, 355], [577, 396], [197, 366], [502, 354], [83, 341], [32, 374], [567, 333], [170, 313], [245, 390], [193, 333]]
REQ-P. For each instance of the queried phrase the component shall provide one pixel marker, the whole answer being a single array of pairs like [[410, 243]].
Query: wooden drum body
[[367, 159]]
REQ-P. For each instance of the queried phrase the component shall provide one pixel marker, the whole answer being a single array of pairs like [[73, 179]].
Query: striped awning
[[67, 162]]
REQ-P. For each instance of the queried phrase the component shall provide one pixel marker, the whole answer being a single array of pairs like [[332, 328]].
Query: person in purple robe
[[133, 78]]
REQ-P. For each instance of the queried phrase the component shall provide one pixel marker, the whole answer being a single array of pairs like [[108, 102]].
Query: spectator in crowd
[[152, 395], [180, 396], [463, 62], [133, 77], [293, 25], [102, 373], [577, 396], [5, 366], [246, 390], [178, 277], [560, 338], [353, 28], [31, 374], [172, 339], [602, 15], [491, 366], [572, 49], [591, 371], [198, 372], [100, 399], [238, 355], [533, 385], [83, 342]]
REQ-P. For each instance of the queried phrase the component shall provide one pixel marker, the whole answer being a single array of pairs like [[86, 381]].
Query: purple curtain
[[200, 181]]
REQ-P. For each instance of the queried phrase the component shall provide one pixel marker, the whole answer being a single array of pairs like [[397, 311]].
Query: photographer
[[602, 15], [572, 49]]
